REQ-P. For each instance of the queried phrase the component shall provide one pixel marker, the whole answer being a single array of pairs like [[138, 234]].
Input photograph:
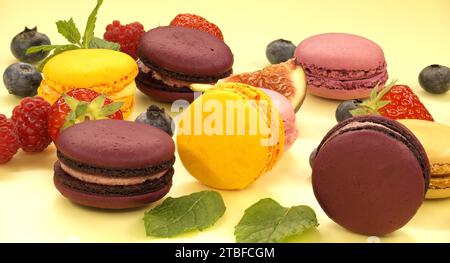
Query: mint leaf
[[44, 48], [90, 25], [101, 43], [174, 216], [58, 50], [69, 30], [269, 222]]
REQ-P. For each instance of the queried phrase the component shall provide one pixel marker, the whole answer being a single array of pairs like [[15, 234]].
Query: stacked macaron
[[114, 164], [341, 66], [171, 58], [105, 71], [370, 175]]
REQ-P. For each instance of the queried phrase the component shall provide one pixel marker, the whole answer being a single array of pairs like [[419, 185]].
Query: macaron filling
[[104, 180], [158, 78], [343, 74], [114, 172], [73, 183], [351, 84]]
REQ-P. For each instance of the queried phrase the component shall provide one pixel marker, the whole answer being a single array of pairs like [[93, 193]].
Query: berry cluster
[[128, 36]]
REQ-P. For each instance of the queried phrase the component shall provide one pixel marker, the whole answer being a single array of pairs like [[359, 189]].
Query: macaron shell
[[228, 162], [340, 51], [111, 202], [102, 70], [368, 182], [116, 144], [185, 50], [338, 94]]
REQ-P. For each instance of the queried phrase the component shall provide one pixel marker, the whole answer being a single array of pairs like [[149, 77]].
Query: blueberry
[[26, 39], [158, 118], [312, 156], [279, 50], [22, 79], [435, 79], [343, 110]]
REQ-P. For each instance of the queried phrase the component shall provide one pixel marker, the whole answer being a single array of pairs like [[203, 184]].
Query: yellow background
[[413, 34]]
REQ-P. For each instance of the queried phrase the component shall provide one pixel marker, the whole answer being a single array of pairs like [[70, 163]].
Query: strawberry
[[197, 22], [394, 102], [79, 105]]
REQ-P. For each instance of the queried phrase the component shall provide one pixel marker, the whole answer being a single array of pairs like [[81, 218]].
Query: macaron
[[287, 114], [370, 175], [114, 164], [230, 136], [171, 58], [435, 138], [341, 66], [105, 71]]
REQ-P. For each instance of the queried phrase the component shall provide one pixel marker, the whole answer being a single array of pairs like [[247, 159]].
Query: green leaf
[[268, 222], [101, 43], [69, 30], [71, 102], [110, 108], [81, 110], [90, 25], [98, 102], [58, 50], [43, 48], [174, 216]]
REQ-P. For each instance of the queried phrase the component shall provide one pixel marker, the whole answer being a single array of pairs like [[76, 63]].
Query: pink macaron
[[287, 114], [341, 66]]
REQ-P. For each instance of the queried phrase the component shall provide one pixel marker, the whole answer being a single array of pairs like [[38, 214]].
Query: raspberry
[[9, 141], [197, 22], [31, 117], [128, 36]]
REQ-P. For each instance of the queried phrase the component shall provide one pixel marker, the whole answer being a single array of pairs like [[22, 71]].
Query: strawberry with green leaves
[[394, 102], [79, 105]]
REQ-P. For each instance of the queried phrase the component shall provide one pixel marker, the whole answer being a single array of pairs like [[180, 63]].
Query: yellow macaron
[[435, 138], [102, 70], [230, 136]]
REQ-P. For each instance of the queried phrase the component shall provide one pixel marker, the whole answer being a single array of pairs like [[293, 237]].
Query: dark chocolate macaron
[[114, 164], [171, 58], [370, 175]]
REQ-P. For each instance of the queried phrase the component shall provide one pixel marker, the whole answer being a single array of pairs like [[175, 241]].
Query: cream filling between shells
[[113, 181]]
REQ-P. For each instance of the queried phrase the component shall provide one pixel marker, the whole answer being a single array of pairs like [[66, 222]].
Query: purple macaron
[[341, 66], [171, 58], [370, 175], [114, 164]]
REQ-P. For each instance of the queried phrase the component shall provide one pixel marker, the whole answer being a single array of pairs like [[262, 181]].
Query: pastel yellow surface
[[412, 33], [105, 71], [228, 156]]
